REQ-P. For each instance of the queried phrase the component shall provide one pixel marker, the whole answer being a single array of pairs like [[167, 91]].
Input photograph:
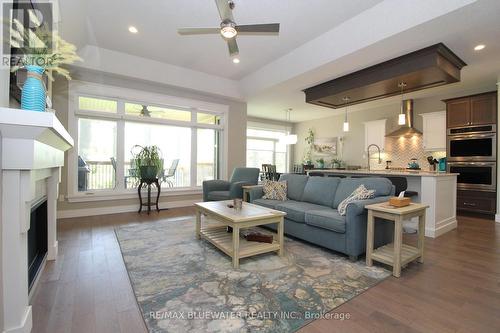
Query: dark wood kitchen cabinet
[[477, 202], [478, 109]]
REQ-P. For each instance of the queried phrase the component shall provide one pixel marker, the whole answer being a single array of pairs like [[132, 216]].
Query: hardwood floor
[[457, 289]]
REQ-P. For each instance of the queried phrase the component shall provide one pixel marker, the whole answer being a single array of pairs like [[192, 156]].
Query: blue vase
[[33, 96]]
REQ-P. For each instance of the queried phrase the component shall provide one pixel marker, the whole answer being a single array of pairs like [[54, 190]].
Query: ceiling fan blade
[[198, 31], [258, 29], [225, 12], [233, 47]]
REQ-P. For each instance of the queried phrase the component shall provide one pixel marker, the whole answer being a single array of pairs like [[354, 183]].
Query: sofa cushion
[[296, 210], [267, 203], [295, 184], [320, 190], [327, 219], [382, 187], [218, 195]]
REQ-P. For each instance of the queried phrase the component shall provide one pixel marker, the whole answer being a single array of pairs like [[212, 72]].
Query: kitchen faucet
[[368, 154]]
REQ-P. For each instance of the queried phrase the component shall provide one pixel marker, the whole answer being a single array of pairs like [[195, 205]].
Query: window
[[206, 155], [97, 154], [263, 147], [174, 143], [108, 131], [156, 112]]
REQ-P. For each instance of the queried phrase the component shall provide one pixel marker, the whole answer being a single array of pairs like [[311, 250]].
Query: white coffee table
[[248, 216]]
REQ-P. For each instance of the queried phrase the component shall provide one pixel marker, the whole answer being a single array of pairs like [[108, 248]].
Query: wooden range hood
[[432, 66]]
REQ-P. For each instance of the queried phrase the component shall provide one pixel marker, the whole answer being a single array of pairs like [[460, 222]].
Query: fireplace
[[32, 146], [37, 240]]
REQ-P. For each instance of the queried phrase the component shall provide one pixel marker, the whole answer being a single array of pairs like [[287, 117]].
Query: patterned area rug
[[183, 284]]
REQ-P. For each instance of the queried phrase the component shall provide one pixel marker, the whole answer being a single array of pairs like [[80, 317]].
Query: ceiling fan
[[229, 29]]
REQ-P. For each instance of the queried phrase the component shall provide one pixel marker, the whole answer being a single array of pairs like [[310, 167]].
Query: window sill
[[122, 195]]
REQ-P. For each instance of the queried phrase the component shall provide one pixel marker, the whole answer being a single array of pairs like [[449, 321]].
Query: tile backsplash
[[401, 150]]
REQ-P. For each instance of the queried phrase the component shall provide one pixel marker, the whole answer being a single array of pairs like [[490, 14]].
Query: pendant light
[[402, 116], [346, 123], [288, 139]]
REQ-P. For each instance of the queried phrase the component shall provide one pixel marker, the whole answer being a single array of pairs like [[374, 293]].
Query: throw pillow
[[361, 193], [275, 190]]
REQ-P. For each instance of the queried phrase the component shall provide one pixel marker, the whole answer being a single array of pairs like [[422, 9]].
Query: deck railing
[[101, 176]]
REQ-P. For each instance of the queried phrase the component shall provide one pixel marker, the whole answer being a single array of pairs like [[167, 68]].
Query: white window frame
[[272, 128], [122, 96]]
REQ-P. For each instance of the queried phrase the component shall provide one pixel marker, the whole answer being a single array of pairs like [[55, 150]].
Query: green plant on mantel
[[148, 161], [309, 148], [50, 58]]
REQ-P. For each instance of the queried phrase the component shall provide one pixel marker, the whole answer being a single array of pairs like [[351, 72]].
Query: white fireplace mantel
[[32, 154]]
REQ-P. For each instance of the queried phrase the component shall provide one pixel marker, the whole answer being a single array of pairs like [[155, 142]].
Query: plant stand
[[148, 183]]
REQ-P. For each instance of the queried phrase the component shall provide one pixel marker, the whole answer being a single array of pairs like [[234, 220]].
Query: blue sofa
[[312, 211], [216, 190]]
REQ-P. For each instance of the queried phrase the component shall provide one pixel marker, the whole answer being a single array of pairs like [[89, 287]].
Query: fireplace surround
[[32, 154]]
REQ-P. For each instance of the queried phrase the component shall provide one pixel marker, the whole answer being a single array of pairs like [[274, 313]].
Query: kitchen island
[[438, 190]]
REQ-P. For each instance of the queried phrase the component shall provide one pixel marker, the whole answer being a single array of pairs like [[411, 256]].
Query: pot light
[[228, 31], [236, 60], [479, 47], [133, 29]]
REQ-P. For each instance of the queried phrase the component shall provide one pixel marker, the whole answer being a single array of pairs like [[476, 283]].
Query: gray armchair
[[216, 190]]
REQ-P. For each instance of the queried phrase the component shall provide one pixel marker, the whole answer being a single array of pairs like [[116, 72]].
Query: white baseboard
[[444, 226], [26, 325], [497, 218], [64, 214]]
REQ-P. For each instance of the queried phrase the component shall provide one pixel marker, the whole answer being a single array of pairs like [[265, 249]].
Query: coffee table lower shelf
[[223, 240]]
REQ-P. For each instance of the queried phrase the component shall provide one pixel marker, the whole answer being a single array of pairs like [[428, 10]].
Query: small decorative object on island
[[147, 161], [413, 165], [50, 53], [336, 163], [321, 163]]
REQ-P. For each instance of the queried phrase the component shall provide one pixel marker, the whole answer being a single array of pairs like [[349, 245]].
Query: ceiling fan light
[[236, 60], [228, 32]]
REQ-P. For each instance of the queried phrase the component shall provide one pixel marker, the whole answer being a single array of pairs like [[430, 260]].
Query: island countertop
[[385, 172]]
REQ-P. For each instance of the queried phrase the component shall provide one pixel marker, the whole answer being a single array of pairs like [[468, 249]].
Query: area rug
[[187, 285]]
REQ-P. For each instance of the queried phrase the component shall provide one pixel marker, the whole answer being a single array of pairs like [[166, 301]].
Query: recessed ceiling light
[[133, 29], [479, 47], [236, 60]]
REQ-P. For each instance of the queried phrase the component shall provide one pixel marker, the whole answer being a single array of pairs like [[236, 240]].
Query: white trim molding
[[70, 213]]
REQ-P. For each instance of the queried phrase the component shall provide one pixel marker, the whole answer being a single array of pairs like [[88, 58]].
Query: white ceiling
[[105, 24], [319, 40]]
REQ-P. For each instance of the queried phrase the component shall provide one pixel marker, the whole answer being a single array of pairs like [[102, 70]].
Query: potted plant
[[321, 163], [336, 163], [37, 61], [147, 161], [310, 143]]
